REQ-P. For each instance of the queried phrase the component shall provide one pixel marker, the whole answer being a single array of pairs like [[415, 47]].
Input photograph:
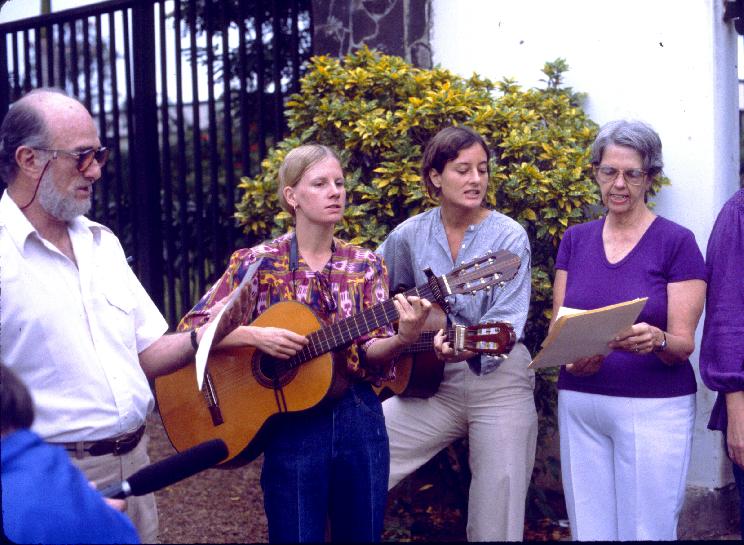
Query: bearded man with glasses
[[76, 325]]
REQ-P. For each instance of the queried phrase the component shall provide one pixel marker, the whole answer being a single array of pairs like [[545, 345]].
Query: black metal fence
[[189, 95]]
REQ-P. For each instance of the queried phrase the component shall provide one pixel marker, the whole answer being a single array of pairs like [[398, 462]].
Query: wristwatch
[[663, 344]]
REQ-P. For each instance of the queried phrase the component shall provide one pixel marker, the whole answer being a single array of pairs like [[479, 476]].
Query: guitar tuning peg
[[502, 284]]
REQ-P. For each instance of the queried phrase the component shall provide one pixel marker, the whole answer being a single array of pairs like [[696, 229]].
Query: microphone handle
[[117, 491]]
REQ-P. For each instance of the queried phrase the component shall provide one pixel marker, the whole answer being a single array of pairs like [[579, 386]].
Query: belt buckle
[[125, 444]]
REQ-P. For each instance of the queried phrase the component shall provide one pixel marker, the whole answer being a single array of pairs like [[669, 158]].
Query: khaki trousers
[[497, 413], [109, 469]]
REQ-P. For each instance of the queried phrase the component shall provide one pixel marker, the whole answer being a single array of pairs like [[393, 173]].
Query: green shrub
[[379, 112]]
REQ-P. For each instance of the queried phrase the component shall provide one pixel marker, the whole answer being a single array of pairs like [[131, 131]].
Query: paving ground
[[225, 506], [214, 506]]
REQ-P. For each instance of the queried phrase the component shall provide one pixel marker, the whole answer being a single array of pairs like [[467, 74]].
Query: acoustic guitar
[[243, 387], [419, 372]]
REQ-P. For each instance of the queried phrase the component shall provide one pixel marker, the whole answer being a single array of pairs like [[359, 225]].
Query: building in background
[[670, 63]]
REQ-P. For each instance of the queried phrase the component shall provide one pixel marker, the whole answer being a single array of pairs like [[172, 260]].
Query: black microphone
[[168, 471]]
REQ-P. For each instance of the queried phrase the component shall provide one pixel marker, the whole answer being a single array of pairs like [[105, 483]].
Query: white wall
[[671, 63]]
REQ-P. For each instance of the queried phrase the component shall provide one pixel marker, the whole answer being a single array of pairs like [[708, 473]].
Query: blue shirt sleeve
[[395, 253], [46, 499]]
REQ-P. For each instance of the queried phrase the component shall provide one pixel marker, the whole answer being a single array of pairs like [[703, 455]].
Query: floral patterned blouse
[[353, 280]]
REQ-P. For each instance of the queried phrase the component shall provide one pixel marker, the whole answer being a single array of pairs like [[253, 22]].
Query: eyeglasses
[[632, 176], [84, 158]]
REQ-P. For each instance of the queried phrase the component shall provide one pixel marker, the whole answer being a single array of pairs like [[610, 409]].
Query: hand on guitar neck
[[413, 314], [420, 370], [442, 345]]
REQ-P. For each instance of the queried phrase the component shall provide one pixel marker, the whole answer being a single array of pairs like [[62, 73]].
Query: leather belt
[[116, 445]]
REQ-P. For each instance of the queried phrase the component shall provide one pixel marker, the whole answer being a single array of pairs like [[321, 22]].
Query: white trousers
[[497, 413], [624, 464]]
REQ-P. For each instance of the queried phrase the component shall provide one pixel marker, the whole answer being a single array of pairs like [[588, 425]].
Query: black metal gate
[[189, 95]]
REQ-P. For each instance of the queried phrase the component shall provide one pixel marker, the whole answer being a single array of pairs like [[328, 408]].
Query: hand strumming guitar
[[275, 341]]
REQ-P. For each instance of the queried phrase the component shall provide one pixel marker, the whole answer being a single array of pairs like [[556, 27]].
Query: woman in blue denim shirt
[[487, 399]]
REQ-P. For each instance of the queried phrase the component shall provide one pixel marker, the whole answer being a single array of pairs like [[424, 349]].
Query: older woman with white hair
[[626, 420]]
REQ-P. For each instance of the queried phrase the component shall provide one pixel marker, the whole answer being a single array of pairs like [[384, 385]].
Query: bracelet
[[194, 342]]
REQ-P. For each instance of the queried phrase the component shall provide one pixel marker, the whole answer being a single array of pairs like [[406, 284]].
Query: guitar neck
[[425, 341], [481, 273], [495, 338], [345, 331]]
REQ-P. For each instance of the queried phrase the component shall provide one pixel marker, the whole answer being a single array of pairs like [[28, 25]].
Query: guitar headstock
[[494, 268], [495, 338]]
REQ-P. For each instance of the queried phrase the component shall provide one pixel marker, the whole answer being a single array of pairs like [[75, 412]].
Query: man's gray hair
[[636, 135], [23, 126]]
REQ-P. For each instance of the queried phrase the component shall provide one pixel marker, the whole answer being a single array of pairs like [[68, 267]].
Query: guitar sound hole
[[271, 372]]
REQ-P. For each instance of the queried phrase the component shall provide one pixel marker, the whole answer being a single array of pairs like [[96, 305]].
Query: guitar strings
[[348, 329]]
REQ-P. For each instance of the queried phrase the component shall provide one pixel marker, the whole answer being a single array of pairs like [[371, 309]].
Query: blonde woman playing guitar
[[330, 461]]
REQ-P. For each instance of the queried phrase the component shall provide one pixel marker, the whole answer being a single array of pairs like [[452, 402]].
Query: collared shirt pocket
[[117, 313]]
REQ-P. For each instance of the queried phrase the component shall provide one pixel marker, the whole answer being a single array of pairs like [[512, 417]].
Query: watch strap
[[194, 342], [663, 344]]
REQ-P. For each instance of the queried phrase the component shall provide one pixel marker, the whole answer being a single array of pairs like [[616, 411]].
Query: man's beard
[[57, 204]]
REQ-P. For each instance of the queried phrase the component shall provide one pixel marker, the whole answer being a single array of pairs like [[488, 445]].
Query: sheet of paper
[[565, 311], [202, 353], [579, 334]]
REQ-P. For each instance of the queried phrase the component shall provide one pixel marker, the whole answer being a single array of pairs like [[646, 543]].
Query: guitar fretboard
[[344, 331], [425, 341]]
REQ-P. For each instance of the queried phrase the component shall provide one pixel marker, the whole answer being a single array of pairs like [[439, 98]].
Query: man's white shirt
[[73, 333]]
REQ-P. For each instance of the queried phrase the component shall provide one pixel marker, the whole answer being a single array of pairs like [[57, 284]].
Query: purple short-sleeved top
[[666, 253]]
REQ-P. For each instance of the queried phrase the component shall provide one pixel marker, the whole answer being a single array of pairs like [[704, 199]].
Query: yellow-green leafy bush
[[379, 111]]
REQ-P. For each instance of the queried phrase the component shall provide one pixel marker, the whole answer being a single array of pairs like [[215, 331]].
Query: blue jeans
[[739, 477], [329, 463]]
